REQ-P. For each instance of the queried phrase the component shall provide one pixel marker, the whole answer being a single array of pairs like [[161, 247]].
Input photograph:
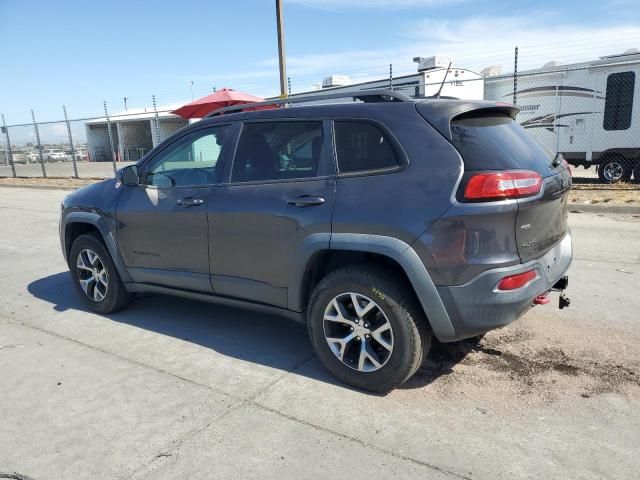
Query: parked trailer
[[436, 75], [585, 111]]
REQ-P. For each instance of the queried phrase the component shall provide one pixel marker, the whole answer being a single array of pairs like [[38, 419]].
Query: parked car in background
[[54, 155], [379, 224], [80, 155], [20, 156], [32, 156]]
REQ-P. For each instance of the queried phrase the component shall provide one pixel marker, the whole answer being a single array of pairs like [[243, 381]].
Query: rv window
[[619, 101]]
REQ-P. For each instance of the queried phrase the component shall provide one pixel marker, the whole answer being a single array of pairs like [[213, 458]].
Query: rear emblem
[[526, 226]]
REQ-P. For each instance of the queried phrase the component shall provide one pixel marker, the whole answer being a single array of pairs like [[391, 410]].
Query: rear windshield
[[493, 141]]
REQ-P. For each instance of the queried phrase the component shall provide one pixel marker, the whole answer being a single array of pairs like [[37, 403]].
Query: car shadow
[[254, 337]]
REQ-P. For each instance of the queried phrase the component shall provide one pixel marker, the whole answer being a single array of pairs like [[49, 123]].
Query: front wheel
[[367, 328], [95, 276]]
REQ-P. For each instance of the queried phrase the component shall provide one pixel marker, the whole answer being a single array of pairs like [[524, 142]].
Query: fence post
[[38, 145], [8, 151], [113, 152], [73, 150], [515, 77], [156, 119]]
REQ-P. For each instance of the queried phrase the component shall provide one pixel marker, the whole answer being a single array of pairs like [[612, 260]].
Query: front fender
[[98, 221]]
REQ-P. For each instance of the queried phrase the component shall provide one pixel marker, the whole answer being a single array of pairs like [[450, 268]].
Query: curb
[[41, 187], [604, 208]]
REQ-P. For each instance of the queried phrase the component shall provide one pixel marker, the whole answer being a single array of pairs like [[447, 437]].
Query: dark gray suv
[[378, 223]]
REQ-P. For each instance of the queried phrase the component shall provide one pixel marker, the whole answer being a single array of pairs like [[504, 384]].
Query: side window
[[618, 103], [277, 150], [192, 161], [363, 146]]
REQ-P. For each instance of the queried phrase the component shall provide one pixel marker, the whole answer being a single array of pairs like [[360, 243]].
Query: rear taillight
[[503, 185], [513, 282]]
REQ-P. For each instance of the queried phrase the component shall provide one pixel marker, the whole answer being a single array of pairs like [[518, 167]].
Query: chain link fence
[[82, 148], [587, 114]]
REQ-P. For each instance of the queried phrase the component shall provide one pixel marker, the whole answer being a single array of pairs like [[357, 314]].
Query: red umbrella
[[222, 98]]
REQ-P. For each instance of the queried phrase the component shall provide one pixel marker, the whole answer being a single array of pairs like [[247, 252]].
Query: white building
[[133, 133]]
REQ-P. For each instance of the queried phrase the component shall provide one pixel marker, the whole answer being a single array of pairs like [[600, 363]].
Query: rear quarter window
[[494, 141], [363, 146]]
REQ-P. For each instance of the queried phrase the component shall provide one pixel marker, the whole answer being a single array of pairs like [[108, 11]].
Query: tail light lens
[[503, 185], [514, 282]]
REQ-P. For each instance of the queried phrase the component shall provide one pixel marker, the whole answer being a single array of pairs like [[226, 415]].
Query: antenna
[[437, 95]]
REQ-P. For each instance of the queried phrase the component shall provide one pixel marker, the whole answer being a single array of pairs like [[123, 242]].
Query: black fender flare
[[93, 218], [390, 247]]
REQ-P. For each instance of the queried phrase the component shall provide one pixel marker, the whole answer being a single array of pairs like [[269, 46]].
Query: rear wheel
[[95, 276], [614, 169], [367, 328]]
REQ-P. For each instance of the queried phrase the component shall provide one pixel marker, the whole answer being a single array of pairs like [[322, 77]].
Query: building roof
[[133, 114]]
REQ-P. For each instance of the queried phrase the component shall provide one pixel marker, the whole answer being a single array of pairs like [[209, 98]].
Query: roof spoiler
[[440, 113]]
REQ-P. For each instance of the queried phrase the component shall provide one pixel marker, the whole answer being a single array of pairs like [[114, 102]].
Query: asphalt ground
[[171, 388]]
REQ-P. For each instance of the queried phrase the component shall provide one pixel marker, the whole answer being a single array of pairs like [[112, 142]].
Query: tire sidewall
[[403, 328], [90, 242]]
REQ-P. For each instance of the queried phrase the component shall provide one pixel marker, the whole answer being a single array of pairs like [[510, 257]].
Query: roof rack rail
[[367, 96]]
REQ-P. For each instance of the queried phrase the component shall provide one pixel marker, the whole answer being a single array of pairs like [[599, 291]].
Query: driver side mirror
[[129, 175]]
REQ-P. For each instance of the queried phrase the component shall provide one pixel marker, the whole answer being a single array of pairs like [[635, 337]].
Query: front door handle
[[306, 201], [190, 202]]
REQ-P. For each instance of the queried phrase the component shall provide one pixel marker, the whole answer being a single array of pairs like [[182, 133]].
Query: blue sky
[[79, 53]]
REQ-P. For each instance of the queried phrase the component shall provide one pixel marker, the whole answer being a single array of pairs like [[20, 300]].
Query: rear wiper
[[557, 160]]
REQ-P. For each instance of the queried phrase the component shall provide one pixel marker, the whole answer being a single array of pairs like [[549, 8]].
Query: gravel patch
[[536, 360]]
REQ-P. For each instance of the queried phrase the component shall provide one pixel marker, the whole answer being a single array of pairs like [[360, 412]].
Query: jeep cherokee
[[379, 223]]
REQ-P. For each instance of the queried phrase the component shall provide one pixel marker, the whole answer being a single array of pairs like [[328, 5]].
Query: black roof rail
[[367, 96]]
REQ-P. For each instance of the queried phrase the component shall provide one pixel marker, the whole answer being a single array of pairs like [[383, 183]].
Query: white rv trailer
[[584, 111], [458, 82]]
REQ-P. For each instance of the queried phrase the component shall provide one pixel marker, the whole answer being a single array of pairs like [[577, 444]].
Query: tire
[[394, 302], [614, 168], [636, 171], [109, 298]]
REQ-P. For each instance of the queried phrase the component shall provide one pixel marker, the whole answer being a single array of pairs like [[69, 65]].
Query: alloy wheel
[[613, 171], [358, 332], [92, 275]]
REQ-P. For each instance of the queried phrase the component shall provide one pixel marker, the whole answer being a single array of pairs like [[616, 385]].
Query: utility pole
[[281, 50], [515, 77]]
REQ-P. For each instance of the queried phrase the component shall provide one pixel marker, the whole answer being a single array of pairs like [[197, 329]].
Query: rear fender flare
[[390, 247]]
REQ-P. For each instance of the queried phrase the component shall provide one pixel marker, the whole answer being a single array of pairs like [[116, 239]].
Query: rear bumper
[[476, 307]]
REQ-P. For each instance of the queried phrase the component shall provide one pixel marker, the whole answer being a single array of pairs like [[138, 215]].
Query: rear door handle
[[190, 202], [306, 201]]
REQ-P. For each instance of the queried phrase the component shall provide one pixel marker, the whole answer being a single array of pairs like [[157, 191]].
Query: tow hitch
[[560, 286]]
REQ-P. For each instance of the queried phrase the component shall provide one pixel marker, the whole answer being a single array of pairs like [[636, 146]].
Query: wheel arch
[[359, 248], [625, 154], [79, 223]]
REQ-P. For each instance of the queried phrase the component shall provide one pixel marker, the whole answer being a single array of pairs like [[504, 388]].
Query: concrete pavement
[[171, 388]]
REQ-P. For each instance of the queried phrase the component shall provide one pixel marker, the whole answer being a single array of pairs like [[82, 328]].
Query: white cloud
[[474, 42]]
